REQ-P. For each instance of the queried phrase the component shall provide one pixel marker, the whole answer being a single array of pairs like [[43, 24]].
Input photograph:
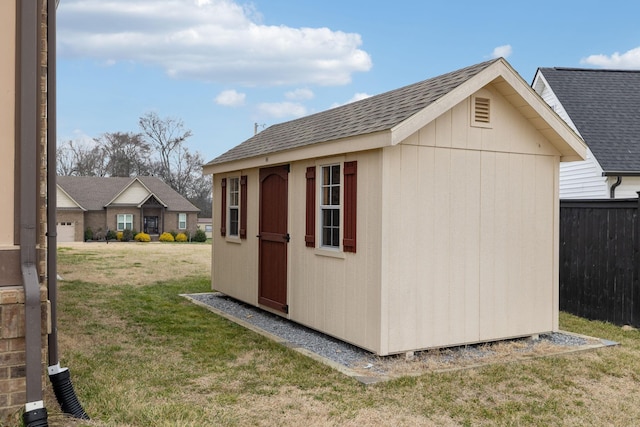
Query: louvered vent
[[482, 110]]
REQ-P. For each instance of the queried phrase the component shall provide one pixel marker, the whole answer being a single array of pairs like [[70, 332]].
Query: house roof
[[400, 113], [604, 105], [373, 114], [94, 192]]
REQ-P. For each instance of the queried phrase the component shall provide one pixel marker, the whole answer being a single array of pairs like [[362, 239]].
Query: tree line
[[159, 149]]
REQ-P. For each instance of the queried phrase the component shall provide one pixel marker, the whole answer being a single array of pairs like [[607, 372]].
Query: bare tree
[[80, 159], [126, 154], [167, 136]]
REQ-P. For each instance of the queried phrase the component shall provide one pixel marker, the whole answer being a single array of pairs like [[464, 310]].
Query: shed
[[419, 218]]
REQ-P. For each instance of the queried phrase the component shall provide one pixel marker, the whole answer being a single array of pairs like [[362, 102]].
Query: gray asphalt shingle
[[377, 113], [94, 192], [605, 107]]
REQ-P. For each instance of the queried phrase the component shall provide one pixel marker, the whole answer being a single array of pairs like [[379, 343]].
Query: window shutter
[[243, 207], [350, 204], [310, 231], [223, 208]]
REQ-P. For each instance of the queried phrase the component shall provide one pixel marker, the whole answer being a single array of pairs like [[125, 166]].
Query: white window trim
[[185, 221], [230, 235], [321, 248], [124, 222]]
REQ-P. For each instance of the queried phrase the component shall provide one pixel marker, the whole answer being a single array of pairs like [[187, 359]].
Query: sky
[[227, 68]]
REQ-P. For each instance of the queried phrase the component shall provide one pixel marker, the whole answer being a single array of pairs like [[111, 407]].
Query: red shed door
[[273, 237]]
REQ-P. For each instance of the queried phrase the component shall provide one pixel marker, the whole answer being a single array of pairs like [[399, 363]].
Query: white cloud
[[503, 51], [299, 94], [211, 40], [356, 97], [281, 110], [230, 98], [629, 59]]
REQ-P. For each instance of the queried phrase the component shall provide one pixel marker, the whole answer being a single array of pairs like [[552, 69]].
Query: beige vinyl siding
[[64, 201], [235, 271], [133, 195], [339, 294], [473, 211], [7, 119]]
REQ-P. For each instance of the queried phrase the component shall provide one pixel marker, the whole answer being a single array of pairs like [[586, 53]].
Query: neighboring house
[[143, 203], [206, 225], [603, 106], [423, 217]]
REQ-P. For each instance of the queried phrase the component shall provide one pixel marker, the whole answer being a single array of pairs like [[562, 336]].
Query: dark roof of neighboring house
[[604, 105], [95, 192], [377, 113]]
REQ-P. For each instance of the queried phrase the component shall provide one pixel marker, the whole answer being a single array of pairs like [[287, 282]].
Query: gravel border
[[353, 360]]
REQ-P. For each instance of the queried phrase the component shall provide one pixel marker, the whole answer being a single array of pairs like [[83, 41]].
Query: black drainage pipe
[[60, 377]]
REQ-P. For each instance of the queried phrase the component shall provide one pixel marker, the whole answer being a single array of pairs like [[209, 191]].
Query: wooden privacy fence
[[599, 259]]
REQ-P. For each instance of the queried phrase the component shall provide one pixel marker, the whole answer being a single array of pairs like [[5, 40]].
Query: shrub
[[166, 237], [119, 236], [181, 237], [88, 234], [127, 235], [112, 235], [142, 237], [200, 236]]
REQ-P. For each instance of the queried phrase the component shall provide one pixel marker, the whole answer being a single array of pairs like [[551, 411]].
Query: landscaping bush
[[200, 236], [166, 237], [119, 236], [181, 237], [142, 237], [112, 235], [88, 234], [127, 235]]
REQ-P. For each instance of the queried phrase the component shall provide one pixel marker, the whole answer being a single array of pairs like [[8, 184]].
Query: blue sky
[[222, 66]]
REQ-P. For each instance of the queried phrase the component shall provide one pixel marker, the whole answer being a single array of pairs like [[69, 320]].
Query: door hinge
[[285, 308], [287, 238]]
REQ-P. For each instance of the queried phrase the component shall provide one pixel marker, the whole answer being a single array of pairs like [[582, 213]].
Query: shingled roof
[[604, 105], [95, 192], [377, 113]]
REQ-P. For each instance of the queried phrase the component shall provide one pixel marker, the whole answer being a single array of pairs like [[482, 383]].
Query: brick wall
[[12, 351]]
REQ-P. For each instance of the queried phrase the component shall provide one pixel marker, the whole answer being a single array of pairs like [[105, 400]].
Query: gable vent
[[482, 110]]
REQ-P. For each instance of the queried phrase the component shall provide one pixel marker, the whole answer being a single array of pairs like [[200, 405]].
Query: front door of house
[[151, 224], [273, 237]]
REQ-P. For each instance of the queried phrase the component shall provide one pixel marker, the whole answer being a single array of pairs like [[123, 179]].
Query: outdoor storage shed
[[423, 217]]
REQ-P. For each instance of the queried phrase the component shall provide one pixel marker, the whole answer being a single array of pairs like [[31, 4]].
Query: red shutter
[[223, 208], [310, 232], [350, 204], [243, 207]]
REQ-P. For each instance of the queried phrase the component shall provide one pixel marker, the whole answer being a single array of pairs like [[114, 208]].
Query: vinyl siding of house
[[132, 195], [580, 179]]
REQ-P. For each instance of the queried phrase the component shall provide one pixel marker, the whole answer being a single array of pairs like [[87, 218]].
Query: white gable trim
[[511, 85], [544, 89], [126, 187], [71, 198], [150, 196]]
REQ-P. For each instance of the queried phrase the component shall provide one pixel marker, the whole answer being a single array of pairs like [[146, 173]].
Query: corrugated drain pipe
[[60, 377]]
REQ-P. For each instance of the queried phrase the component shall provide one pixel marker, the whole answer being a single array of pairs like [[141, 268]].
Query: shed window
[[124, 222], [234, 207], [337, 206]]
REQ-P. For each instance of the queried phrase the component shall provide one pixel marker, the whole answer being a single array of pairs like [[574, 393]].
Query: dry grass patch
[[132, 263]]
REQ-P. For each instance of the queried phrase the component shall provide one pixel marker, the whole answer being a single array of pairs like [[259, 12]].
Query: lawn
[[141, 355]]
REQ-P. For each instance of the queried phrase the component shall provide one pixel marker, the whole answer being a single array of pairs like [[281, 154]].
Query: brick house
[[143, 203]]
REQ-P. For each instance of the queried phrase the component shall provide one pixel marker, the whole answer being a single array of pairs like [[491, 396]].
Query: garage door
[[66, 231]]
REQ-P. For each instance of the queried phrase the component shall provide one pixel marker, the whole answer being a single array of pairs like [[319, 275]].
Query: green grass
[[143, 355]]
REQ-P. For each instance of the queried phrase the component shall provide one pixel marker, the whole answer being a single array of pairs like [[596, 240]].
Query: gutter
[[612, 190], [60, 377], [35, 413]]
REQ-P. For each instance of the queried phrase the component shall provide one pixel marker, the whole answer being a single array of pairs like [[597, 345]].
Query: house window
[[124, 222], [234, 207], [182, 221], [330, 206]]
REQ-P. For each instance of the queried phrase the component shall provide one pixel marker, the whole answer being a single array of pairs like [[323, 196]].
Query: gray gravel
[[346, 354]]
